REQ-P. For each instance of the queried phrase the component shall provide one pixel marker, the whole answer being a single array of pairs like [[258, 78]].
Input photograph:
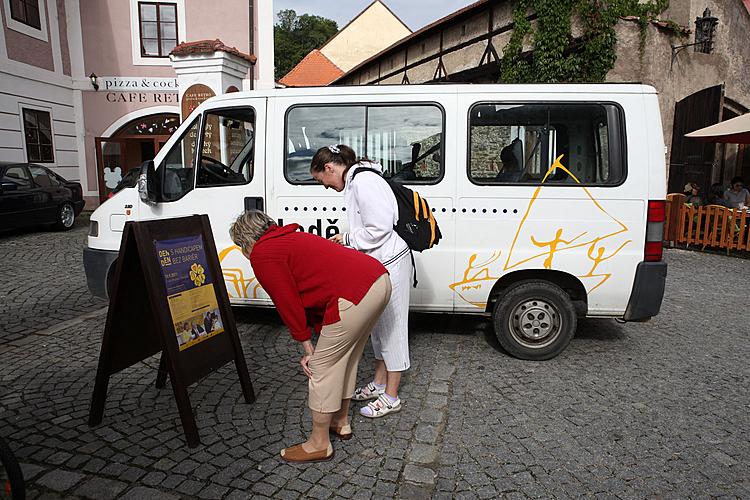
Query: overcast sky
[[415, 13]]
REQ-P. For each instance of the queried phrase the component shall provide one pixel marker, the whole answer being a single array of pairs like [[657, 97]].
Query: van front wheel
[[534, 320]]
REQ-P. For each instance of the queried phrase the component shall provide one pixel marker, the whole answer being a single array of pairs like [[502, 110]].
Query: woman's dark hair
[[737, 179], [328, 154], [716, 192]]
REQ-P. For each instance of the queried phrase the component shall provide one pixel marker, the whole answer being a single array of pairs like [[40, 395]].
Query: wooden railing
[[710, 226]]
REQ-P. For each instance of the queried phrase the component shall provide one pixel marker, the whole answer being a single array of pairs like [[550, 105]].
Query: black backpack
[[416, 225]]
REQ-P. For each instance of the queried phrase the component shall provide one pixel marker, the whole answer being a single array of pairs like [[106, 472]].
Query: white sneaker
[[380, 407], [367, 392]]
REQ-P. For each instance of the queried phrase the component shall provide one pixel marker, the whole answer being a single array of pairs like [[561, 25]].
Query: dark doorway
[[691, 160]]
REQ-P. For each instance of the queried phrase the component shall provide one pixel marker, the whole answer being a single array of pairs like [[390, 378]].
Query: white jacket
[[372, 212]]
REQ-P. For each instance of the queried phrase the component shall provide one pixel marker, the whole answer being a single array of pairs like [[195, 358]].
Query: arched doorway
[[135, 142]]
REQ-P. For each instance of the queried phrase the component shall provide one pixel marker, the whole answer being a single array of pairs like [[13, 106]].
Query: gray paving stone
[[420, 475], [415, 492], [60, 480], [143, 493], [100, 488], [423, 454]]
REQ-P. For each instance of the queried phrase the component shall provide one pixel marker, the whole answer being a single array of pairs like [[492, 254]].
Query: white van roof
[[583, 88]]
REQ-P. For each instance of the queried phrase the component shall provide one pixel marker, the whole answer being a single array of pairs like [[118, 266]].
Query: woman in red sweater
[[336, 291]]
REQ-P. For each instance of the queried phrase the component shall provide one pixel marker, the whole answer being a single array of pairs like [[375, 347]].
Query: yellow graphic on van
[[476, 276], [238, 286]]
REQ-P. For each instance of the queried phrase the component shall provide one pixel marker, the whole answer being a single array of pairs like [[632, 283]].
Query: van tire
[[550, 320]]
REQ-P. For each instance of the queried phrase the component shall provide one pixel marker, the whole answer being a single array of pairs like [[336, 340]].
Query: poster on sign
[[190, 291]]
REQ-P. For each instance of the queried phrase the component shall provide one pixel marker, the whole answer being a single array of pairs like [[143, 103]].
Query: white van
[[550, 198]]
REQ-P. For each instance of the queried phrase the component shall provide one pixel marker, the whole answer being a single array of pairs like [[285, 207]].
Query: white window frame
[[39, 34], [135, 33], [35, 107]]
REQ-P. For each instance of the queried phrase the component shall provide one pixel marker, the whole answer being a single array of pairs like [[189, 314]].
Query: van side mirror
[[148, 183], [8, 186]]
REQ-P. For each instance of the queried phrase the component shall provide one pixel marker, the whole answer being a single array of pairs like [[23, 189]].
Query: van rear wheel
[[534, 320]]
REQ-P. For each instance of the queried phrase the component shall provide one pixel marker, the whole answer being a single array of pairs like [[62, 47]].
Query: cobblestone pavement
[[42, 282], [659, 409]]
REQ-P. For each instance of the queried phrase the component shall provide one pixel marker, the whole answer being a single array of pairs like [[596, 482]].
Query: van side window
[[517, 143], [227, 144], [405, 139], [309, 128], [176, 172]]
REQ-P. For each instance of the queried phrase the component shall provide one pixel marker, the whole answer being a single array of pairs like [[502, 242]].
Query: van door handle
[[254, 203]]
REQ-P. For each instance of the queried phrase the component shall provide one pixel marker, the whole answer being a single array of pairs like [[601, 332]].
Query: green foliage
[[555, 55], [295, 36]]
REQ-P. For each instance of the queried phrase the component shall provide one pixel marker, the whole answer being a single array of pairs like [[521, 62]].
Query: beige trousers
[[339, 349]]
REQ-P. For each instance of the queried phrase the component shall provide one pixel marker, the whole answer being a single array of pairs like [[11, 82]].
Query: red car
[[33, 195]]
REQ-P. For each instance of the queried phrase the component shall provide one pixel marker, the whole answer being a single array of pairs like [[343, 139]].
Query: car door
[[48, 193], [17, 199]]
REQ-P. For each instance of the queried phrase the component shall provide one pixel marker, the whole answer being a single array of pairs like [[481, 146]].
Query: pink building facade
[[88, 87]]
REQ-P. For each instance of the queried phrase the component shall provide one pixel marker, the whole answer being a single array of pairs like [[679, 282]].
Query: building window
[[518, 143], [158, 28], [26, 12], [38, 133]]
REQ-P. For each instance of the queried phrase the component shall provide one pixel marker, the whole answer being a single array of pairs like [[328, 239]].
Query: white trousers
[[390, 338]]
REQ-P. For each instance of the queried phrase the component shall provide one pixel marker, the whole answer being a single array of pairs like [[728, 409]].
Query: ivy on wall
[[556, 56]]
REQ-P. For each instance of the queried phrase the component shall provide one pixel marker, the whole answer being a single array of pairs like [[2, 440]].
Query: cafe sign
[[137, 84]]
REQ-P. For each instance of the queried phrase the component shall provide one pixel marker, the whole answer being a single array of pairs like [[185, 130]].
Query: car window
[[309, 128], [228, 147], [518, 143], [405, 139], [18, 176], [179, 165], [43, 177]]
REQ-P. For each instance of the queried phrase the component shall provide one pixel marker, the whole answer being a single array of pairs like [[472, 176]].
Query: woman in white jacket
[[372, 212]]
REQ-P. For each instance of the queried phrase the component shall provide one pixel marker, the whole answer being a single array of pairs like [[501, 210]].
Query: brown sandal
[[297, 454], [344, 432]]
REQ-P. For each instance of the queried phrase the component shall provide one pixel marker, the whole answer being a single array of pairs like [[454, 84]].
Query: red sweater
[[305, 275]]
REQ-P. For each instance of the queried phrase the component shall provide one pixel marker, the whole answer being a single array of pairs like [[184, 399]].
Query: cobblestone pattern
[[42, 282], [636, 410]]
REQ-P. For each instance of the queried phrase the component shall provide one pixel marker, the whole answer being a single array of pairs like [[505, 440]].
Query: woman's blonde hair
[[249, 227]]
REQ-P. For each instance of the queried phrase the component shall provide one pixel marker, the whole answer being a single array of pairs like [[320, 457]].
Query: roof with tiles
[[315, 70], [209, 47]]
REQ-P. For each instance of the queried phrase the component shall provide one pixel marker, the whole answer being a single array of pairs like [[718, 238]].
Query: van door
[[547, 189], [227, 177], [411, 136]]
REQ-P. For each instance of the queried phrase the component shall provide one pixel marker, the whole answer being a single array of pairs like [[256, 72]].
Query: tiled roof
[[315, 70], [209, 47]]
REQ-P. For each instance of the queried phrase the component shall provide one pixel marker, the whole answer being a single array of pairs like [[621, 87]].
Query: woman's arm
[[275, 277], [376, 207]]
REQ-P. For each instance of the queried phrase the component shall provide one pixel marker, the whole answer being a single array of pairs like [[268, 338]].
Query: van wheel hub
[[535, 323]]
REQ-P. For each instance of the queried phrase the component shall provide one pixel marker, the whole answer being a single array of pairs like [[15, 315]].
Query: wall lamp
[[93, 77]]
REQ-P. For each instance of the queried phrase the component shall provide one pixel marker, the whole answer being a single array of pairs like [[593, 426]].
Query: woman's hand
[[306, 357], [337, 238]]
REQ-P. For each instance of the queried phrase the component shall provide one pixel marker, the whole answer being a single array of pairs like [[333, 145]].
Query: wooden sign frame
[[140, 322]]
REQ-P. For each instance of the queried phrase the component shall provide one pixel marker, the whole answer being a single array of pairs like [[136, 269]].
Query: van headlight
[[93, 228]]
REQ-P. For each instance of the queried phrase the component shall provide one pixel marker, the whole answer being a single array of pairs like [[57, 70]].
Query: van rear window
[[405, 139], [518, 143]]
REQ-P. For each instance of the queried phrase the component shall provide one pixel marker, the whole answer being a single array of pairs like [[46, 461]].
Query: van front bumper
[[96, 263], [648, 291]]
